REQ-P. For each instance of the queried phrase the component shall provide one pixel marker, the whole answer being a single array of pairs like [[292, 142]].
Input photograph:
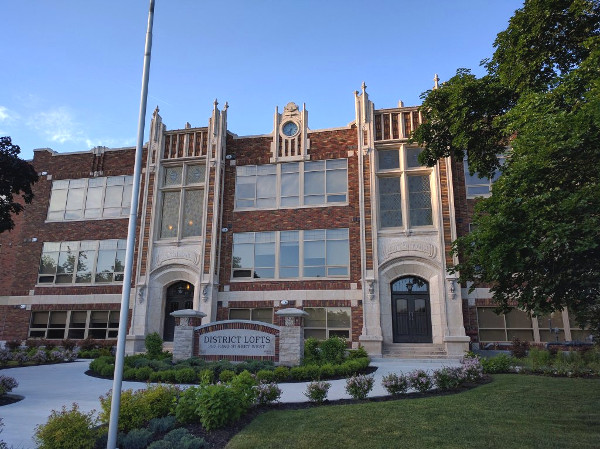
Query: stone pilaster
[[291, 336], [185, 322]]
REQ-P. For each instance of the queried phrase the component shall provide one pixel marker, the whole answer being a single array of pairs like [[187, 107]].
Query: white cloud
[[6, 115], [58, 125]]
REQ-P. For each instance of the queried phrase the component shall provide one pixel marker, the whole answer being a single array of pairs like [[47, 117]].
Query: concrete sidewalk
[[49, 387]]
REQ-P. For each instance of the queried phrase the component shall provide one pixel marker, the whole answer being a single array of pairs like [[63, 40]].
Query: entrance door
[[180, 296], [411, 312]]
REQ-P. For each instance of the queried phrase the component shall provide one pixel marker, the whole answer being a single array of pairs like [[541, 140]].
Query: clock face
[[289, 129]]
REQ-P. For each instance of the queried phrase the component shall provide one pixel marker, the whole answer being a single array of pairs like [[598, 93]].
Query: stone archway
[[411, 310], [179, 296]]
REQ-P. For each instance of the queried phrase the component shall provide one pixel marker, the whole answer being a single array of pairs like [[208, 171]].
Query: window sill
[[306, 206], [429, 230], [242, 280], [104, 284]]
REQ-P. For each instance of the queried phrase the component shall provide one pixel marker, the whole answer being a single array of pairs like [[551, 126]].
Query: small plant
[[266, 393], [358, 353], [184, 376], [67, 429], [13, 345], [5, 356], [317, 391], [40, 356], [333, 350], [281, 373], [395, 384], [154, 345], [7, 384], [265, 375], [226, 376], [161, 425], [359, 386], [448, 378], [185, 410], [519, 348], [472, 369], [136, 439], [495, 365], [420, 380], [219, 405]]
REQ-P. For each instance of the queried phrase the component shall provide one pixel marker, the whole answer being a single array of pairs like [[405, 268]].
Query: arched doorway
[[411, 310], [180, 296]]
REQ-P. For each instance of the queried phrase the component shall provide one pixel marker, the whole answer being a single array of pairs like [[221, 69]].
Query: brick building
[[343, 223]]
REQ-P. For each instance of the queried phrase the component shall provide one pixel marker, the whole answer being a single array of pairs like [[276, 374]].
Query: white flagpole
[[120, 357]]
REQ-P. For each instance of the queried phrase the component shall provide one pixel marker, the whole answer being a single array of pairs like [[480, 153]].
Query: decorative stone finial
[[436, 81], [187, 125], [226, 106], [215, 103], [156, 111], [363, 86]]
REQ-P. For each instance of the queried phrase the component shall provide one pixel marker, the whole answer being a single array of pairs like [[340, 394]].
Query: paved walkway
[[49, 387]]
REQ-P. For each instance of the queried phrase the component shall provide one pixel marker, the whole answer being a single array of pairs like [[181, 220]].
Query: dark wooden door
[[179, 296], [411, 313]]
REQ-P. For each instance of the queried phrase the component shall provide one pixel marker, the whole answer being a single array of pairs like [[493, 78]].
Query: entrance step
[[415, 351]]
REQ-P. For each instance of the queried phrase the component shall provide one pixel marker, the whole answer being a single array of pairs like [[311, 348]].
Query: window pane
[[192, 212], [74, 206], [338, 317], [119, 265], [316, 317], [39, 319], [114, 197], [419, 196], [289, 189], [48, 263], [319, 334], [289, 254], [314, 253], [84, 266], [99, 319], [239, 314], [105, 265], [78, 319], [58, 200], [336, 181], [170, 215], [337, 252], [390, 202], [172, 176], [518, 318], [492, 335], [314, 183], [412, 157], [58, 319], [195, 174], [265, 315], [487, 318], [388, 159]]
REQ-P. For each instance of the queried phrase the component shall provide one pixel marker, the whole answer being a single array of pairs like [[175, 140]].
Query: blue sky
[[72, 69]]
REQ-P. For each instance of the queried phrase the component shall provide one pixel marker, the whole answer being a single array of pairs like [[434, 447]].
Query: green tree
[[536, 238], [16, 179]]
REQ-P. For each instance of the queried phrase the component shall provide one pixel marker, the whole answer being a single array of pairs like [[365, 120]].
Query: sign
[[242, 342]]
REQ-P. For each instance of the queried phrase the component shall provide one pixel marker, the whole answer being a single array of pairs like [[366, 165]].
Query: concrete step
[[415, 351]]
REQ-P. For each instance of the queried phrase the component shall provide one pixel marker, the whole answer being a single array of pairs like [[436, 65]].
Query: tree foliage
[[16, 179], [536, 239]]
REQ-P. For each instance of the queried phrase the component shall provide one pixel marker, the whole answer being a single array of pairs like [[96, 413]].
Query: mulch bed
[[218, 439]]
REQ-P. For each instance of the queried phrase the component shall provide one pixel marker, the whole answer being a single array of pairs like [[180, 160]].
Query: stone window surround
[[124, 204], [277, 243], [403, 172], [301, 196]]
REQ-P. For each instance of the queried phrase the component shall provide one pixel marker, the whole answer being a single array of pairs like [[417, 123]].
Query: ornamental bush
[[420, 380], [359, 386], [67, 429], [219, 405], [186, 408], [333, 350], [317, 391], [184, 376], [495, 365], [281, 373], [472, 369], [161, 425], [448, 378], [226, 376], [395, 384], [154, 345], [7, 384], [136, 439], [266, 393]]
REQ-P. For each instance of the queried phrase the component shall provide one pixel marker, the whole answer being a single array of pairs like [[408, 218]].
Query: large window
[[477, 186], [90, 198], [85, 262], [291, 184], [324, 322], [182, 201], [317, 253], [74, 324], [493, 327], [404, 189]]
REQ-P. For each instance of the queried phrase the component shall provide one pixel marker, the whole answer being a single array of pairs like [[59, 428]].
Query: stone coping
[[214, 323], [188, 313], [291, 312]]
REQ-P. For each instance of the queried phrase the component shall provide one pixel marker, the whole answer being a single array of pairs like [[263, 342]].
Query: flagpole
[[123, 318]]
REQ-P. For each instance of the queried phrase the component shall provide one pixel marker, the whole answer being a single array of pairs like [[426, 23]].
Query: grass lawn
[[513, 411]]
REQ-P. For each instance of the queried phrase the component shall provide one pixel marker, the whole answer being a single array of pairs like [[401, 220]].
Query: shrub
[[327, 371], [161, 425], [5, 356], [174, 436], [312, 353], [358, 353], [265, 375], [161, 444], [139, 407], [317, 391], [7, 384], [539, 358], [185, 376], [420, 380], [31, 343], [243, 384], [185, 410], [472, 369], [448, 378], [39, 356], [13, 345], [67, 429], [267, 393], [68, 344], [21, 357], [311, 372], [109, 370], [181, 439], [495, 365], [89, 344], [154, 345], [519, 348], [395, 384], [138, 362], [206, 377], [219, 405], [359, 386], [281, 373], [136, 439], [333, 350], [226, 376]]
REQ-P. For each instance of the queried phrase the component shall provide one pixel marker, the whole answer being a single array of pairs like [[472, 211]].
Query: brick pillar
[[185, 322], [291, 336]]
